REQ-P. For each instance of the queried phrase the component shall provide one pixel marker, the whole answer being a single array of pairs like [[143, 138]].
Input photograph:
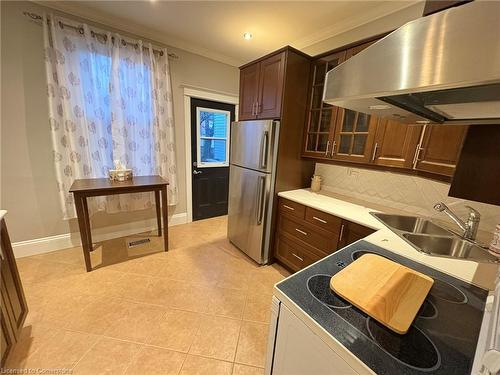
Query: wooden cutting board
[[387, 291]]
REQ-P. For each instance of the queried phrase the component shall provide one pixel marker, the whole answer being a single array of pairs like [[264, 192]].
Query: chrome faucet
[[468, 227]]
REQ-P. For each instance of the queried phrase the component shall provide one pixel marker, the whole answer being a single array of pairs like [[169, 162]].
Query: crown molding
[[154, 35], [350, 24], [120, 24]]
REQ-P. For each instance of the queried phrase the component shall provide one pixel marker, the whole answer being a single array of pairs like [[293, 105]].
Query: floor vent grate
[[138, 242]]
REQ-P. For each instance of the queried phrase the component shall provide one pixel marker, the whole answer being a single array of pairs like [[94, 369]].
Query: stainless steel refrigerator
[[252, 172]]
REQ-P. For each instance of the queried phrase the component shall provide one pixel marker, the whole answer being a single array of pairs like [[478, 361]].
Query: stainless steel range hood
[[443, 68]]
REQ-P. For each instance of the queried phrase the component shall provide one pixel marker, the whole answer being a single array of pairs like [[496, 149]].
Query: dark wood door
[[210, 136], [395, 144], [271, 75], [440, 148], [14, 308], [249, 91]]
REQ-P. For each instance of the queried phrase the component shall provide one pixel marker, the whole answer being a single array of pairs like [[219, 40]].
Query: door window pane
[[349, 118], [213, 151], [358, 146], [212, 137], [213, 124], [345, 143]]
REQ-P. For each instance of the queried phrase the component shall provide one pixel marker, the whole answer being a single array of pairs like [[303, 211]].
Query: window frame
[[199, 163]]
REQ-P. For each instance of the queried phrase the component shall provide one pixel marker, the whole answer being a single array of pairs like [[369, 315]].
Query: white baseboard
[[67, 240]]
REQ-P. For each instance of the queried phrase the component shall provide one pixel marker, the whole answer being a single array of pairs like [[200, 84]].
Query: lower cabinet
[[353, 232], [13, 303], [306, 235]]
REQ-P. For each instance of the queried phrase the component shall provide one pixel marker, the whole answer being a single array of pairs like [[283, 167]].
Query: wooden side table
[[82, 189]]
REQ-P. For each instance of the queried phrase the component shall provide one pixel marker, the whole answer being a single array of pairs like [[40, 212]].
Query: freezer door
[[248, 202], [252, 144]]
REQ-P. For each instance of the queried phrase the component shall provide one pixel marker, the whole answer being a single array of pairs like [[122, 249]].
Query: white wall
[[28, 189]]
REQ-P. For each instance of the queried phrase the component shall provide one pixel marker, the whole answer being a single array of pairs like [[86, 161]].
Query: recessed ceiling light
[[247, 36]]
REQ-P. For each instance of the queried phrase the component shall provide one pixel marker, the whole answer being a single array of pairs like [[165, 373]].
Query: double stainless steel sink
[[432, 239]]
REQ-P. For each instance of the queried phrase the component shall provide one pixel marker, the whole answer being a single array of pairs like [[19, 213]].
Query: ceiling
[[215, 29]]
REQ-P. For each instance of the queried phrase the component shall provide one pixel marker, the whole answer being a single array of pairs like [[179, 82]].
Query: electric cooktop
[[441, 340]]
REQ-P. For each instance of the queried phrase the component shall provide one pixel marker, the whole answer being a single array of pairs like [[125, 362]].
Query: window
[[212, 133]]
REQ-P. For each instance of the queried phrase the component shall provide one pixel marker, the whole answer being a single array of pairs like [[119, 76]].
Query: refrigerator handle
[[261, 196], [264, 149]]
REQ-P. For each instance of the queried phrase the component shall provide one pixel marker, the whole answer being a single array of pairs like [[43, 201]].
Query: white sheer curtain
[[108, 100]]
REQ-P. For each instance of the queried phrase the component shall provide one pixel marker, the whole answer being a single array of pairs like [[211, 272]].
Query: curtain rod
[[37, 17]]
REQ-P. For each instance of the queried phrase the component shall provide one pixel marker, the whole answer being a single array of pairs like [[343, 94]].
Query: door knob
[[197, 172]]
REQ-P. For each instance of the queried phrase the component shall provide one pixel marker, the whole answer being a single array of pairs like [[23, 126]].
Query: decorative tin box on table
[[120, 173]]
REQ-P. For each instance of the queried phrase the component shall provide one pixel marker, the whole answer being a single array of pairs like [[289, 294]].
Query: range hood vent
[[443, 68]]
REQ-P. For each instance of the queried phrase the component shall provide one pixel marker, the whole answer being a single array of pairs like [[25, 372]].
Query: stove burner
[[447, 292], [319, 287], [427, 310], [356, 254], [413, 349]]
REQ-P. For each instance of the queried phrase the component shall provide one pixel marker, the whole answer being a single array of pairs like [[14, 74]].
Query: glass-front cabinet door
[[353, 138], [321, 116]]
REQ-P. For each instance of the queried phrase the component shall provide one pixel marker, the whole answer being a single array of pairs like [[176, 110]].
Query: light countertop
[[480, 274]]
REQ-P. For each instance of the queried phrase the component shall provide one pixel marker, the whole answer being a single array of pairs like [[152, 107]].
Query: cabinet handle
[[296, 256], [417, 155], [289, 208], [301, 231], [259, 107], [375, 151], [341, 232], [333, 147], [327, 148], [254, 109], [320, 220]]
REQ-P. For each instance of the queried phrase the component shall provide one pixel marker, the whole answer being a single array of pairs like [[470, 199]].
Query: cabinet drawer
[[292, 208], [293, 254], [323, 220], [315, 237]]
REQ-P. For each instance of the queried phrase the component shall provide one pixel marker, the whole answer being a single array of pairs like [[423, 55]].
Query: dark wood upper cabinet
[[13, 303], [395, 144], [440, 148], [271, 75], [332, 132], [249, 91], [353, 137], [261, 88], [320, 126]]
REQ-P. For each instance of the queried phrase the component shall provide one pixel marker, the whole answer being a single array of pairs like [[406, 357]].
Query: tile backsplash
[[413, 194]]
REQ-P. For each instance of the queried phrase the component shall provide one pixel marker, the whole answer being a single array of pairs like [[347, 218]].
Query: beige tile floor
[[201, 308]]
